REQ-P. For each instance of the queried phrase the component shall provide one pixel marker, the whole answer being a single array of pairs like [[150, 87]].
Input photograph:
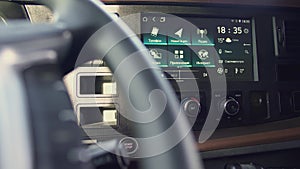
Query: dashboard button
[[259, 102], [191, 106], [231, 106], [130, 144]]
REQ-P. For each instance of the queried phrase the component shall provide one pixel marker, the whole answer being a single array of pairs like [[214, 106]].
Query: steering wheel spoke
[[76, 21]]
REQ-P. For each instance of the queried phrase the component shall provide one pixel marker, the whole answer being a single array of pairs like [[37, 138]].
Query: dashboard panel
[[249, 49], [254, 68], [261, 96]]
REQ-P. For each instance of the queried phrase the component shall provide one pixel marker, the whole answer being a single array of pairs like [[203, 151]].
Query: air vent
[[292, 38]]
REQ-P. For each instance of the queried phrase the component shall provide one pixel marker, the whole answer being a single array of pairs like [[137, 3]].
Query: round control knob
[[191, 106], [231, 106]]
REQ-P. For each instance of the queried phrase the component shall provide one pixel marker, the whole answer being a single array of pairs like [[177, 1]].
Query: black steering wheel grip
[[79, 20]]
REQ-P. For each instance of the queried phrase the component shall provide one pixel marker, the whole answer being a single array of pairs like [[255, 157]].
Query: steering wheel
[[31, 47]]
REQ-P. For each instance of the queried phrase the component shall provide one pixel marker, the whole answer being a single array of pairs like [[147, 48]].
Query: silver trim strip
[[255, 57], [275, 36]]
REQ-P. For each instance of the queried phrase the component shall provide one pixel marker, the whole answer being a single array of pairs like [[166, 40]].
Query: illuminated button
[[151, 39], [159, 54], [109, 88], [179, 56], [109, 116], [201, 36], [203, 57], [179, 36], [130, 144], [259, 102], [177, 41], [191, 106]]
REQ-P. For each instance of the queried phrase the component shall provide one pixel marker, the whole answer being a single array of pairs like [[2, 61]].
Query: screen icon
[[202, 32], [239, 71], [162, 19], [228, 40], [179, 33], [154, 19], [203, 54], [220, 70], [178, 54], [220, 51], [242, 71], [200, 36], [154, 31], [155, 54], [226, 71], [159, 54], [236, 70], [145, 19], [247, 52]]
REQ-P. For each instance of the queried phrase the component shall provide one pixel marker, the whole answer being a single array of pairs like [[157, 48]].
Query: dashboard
[[233, 65], [246, 51]]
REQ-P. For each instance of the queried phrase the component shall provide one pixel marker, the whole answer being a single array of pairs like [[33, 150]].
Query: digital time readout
[[236, 30]]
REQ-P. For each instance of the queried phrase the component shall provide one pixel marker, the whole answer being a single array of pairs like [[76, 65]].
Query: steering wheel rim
[[72, 24]]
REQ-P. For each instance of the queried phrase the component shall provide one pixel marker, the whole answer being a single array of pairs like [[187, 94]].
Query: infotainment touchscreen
[[225, 45]]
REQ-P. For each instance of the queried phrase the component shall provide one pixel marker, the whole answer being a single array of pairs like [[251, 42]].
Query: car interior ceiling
[[181, 84]]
